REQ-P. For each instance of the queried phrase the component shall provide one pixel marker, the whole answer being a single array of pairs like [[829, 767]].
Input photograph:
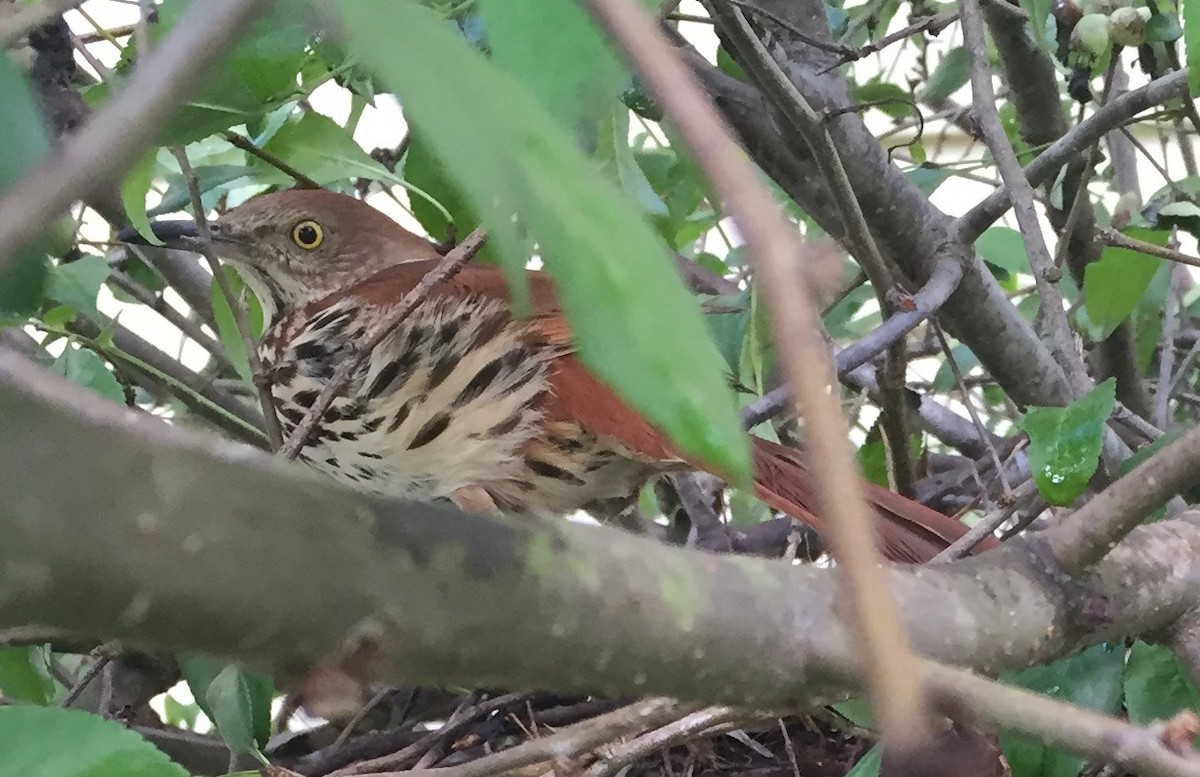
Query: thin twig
[[1103, 738], [1166, 352], [1046, 275], [984, 436], [240, 319], [192, 329], [117, 136], [446, 268], [103, 654], [774, 247], [987, 525], [567, 744], [796, 109], [247, 145], [616, 757], [1112, 237]]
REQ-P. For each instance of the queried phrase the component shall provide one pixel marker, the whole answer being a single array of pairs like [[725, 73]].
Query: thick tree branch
[[565, 606]]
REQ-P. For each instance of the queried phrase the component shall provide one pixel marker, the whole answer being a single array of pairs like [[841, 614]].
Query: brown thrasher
[[461, 396]]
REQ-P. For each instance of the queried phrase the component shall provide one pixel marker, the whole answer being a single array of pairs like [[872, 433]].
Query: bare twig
[[616, 757], [192, 329], [567, 744], [984, 437], [245, 144], [446, 268], [240, 319], [809, 125], [987, 525], [1046, 275], [1112, 237], [942, 282], [1074, 729], [103, 655], [126, 125], [774, 246]]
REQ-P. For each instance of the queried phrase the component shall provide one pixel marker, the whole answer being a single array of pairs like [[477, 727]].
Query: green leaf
[[321, 149], [1065, 442], [23, 676], [77, 284], [869, 765], [22, 283], [1091, 679], [559, 55], [1113, 286], [614, 281], [209, 179], [240, 705], [1003, 247], [257, 76], [1191, 42], [232, 709], [965, 358], [928, 178], [1156, 687], [84, 368], [886, 97], [133, 195], [950, 75], [618, 160], [53, 742], [227, 330]]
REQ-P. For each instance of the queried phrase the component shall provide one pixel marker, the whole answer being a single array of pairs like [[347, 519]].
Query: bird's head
[[295, 246]]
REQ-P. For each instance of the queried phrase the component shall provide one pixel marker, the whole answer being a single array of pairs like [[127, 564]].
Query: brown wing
[[908, 531]]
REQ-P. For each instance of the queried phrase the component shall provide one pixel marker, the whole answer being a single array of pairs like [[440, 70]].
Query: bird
[[463, 400]]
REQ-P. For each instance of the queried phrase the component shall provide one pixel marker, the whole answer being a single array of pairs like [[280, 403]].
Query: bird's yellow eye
[[308, 234]]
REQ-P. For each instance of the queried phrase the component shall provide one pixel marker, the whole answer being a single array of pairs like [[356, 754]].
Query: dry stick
[[1087, 535], [117, 135], [1045, 273], [986, 527], [186, 326], [247, 145], [240, 319], [984, 436], [567, 744], [775, 247], [616, 757], [942, 283], [446, 268], [1139, 749], [1166, 349], [1112, 237]]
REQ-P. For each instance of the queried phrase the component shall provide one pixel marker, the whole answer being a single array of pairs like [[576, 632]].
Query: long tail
[[908, 531]]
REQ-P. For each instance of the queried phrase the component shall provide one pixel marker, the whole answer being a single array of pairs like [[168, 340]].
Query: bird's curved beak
[[182, 234]]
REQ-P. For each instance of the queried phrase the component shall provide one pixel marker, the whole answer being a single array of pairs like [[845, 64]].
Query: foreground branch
[[167, 532]]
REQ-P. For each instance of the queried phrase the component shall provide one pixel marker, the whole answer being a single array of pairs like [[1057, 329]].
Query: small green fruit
[[1089, 39], [1127, 26]]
